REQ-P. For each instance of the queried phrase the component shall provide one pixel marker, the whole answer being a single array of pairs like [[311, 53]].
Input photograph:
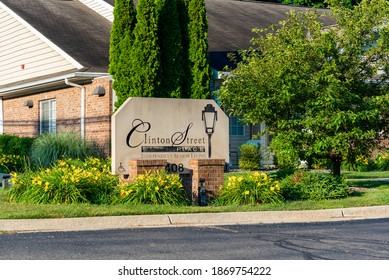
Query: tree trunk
[[336, 163]]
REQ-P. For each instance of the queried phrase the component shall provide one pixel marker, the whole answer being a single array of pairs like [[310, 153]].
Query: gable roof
[[77, 30]]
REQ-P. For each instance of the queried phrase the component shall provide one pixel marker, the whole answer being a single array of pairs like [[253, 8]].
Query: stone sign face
[[177, 130]]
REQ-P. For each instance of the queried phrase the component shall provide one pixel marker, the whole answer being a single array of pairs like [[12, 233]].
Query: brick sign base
[[211, 170]]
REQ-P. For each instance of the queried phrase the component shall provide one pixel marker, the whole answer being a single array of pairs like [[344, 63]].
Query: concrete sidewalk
[[206, 219]]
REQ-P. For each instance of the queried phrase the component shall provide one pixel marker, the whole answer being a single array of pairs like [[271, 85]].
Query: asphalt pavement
[[202, 219]]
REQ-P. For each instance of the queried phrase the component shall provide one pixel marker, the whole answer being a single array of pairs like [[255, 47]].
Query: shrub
[[361, 164], [382, 162], [286, 155], [15, 145], [250, 158], [254, 189], [154, 187], [14, 152], [68, 181], [50, 147], [305, 185], [283, 173], [11, 163]]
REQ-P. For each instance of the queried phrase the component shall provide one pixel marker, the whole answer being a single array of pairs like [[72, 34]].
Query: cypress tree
[[145, 55], [170, 42], [198, 50], [182, 7], [120, 44]]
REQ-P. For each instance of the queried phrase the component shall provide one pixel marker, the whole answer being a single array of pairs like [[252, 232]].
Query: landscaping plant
[[154, 187], [14, 151], [68, 181], [382, 162], [253, 189], [50, 147], [305, 185], [9, 163], [250, 158]]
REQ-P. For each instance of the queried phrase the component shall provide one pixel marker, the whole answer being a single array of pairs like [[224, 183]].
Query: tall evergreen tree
[[182, 7], [120, 44], [170, 42], [198, 50], [145, 55]]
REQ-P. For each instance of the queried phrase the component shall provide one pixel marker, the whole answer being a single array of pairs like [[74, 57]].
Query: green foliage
[[154, 188], [14, 151], [15, 145], [322, 3], [200, 73], [121, 41], [170, 42], [310, 3], [161, 50], [309, 85], [255, 189], [305, 185], [10, 163], [361, 164], [68, 181], [286, 153], [145, 56], [49, 147], [382, 162], [283, 173], [182, 8], [250, 158]]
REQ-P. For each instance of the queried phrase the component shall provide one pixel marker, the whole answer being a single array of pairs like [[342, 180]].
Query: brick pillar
[[138, 167], [212, 170]]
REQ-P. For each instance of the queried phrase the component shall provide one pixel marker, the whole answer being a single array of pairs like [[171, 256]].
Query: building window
[[48, 116], [236, 127]]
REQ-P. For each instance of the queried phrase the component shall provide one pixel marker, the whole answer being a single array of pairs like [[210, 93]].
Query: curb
[[203, 219]]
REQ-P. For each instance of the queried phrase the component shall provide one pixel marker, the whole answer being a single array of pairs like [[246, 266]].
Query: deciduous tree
[[323, 92]]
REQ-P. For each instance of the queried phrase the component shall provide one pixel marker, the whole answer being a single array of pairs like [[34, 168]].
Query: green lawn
[[365, 193], [365, 175]]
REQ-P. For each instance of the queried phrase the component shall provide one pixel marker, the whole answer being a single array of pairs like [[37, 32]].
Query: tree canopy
[[323, 92]]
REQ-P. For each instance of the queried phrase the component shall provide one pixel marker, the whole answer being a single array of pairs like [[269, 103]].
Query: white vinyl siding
[[1, 116], [48, 118], [101, 7], [25, 53]]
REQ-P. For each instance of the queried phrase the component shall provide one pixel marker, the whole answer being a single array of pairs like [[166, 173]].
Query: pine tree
[[170, 42], [120, 44], [198, 50], [145, 55]]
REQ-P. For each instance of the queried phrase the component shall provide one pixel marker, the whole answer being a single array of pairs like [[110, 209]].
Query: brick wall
[[138, 167], [23, 121], [211, 170]]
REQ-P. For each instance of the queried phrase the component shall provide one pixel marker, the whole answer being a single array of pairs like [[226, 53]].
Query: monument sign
[[175, 130]]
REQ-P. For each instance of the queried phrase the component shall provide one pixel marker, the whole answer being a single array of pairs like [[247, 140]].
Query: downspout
[[1, 116], [82, 105]]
